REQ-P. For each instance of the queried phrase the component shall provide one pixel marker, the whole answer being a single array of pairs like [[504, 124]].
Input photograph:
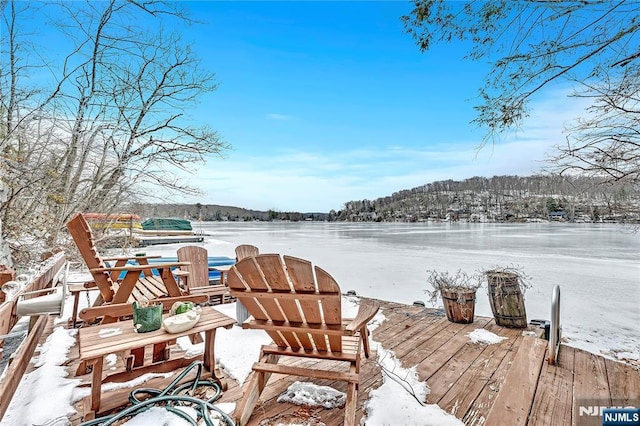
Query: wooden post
[[6, 274]]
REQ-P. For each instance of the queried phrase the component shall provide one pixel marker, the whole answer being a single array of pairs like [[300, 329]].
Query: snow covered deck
[[505, 382]]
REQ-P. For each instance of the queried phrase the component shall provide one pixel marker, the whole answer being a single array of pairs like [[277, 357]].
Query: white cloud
[[273, 116]]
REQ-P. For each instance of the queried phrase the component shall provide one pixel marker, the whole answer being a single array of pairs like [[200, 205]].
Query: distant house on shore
[[558, 215]]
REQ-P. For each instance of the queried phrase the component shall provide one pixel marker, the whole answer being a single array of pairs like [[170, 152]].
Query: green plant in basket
[[183, 307], [146, 316]]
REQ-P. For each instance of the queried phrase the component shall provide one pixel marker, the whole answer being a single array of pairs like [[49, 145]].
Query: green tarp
[[157, 224]]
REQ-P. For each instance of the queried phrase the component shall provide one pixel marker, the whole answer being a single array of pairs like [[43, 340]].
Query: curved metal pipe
[[555, 329]]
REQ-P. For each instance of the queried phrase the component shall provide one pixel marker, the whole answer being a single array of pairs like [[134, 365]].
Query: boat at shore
[[167, 224], [127, 229], [114, 221], [157, 230]]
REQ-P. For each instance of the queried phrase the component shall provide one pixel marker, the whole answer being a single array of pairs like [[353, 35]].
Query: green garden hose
[[169, 398]]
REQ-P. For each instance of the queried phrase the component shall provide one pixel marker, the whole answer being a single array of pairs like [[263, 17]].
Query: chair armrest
[[155, 256], [140, 267], [77, 288], [367, 310], [180, 273]]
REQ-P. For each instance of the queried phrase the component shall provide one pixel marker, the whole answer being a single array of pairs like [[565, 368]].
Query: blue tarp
[[165, 224], [213, 261]]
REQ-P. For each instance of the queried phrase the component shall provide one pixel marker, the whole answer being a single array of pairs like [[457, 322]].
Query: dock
[[152, 240], [481, 384]]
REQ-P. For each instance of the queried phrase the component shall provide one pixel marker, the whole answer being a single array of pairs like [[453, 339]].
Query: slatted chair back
[[82, 235], [198, 267], [299, 306], [289, 291], [246, 250]]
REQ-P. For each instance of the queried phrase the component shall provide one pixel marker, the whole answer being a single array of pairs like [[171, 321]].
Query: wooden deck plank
[[591, 386], [460, 397], [450, 372], [399, 314], [441, 351], [412, 351], [514, 401], [552, 404], [624, 384], [395, 319], [479, 409], [406, 328]]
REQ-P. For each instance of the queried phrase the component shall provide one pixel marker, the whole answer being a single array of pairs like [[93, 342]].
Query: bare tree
[[607, 141], [113, 120], [533, 45]]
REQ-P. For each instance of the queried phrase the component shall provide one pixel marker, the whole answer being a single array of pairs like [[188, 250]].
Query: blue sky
[[327, 102]]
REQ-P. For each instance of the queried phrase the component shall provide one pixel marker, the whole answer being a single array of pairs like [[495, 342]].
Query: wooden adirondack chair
[[246, 250], [299, 306], [138, 283], [196, 273]]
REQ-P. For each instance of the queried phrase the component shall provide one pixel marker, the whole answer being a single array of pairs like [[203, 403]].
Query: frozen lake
[[596, 265]]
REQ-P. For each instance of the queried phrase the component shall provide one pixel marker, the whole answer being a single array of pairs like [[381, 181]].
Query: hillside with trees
[[477, 199], [500, 199]]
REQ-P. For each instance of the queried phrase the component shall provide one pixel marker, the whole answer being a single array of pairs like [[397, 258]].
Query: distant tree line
[[502, 198], [215, 212]]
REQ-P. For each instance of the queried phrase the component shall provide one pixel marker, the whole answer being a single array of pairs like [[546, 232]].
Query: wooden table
[[98, 341], [223, 269]]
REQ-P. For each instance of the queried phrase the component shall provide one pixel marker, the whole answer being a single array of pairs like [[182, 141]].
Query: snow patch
[[480, 335], [399, 400], [158, 416], [311, 395], [45, 393], [628, 356], [109, 332]]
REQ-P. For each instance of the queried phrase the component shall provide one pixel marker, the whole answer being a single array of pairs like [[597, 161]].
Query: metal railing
[[555, 330]]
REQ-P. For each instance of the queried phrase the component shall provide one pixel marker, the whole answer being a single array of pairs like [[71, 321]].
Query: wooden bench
[[98, 341]]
